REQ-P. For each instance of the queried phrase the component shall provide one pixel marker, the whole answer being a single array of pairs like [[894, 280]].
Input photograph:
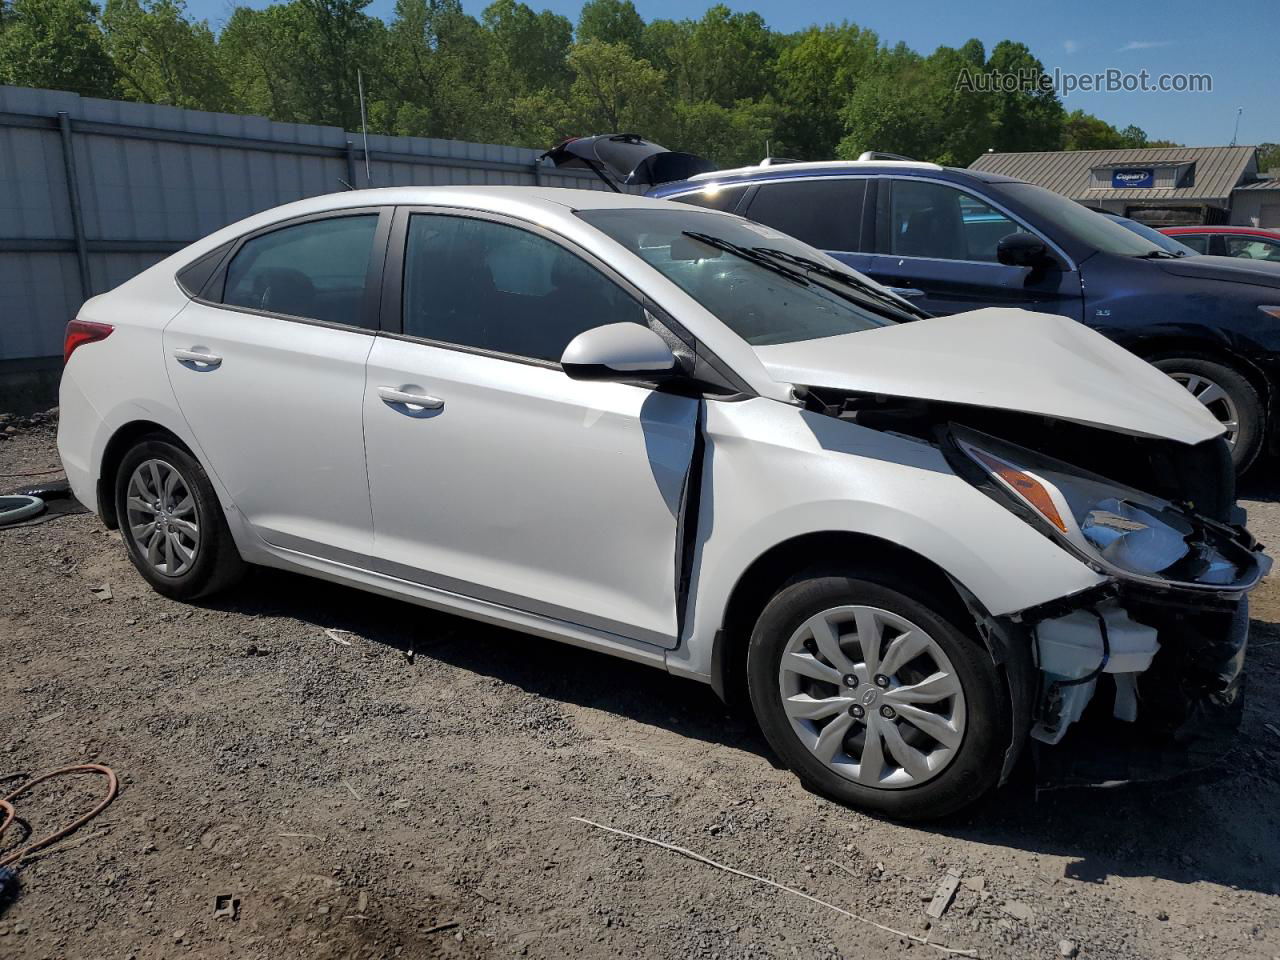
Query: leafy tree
[[914, 106], [612, 21], [724, 57], [56, 44], [1084, 131], [163, 57], [728, 136], [533, 46], [817, 72], [1025, 119], [439, 75], [611, 91], [1268, 157]]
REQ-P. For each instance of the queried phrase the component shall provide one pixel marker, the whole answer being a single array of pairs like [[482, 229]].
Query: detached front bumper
[[1189, 703]]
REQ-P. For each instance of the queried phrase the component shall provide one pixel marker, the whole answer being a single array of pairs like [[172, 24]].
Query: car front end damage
[[1141, 677]]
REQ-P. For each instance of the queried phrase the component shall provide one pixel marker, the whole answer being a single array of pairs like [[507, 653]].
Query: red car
[[1249, 242]]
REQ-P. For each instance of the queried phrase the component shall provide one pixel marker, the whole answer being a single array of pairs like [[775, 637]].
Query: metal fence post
[[73, 199], [351, 164]]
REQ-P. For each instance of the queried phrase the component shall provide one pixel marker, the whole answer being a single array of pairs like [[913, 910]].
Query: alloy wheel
[[1215, 399], [872, 696], [162, 518]]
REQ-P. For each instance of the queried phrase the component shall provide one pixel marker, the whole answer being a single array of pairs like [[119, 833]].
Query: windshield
[[1166, 243], [751, 277], [1083, 224]]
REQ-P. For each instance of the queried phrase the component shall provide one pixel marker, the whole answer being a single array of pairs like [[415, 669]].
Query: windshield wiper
[[749, 254], [1158, 255], [847, 279]]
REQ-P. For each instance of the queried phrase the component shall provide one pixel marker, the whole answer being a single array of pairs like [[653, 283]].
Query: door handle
[[907, 292], [420, 401], [196, 356]]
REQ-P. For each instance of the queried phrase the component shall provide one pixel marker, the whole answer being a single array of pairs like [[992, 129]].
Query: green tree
[[724, 57], [1268, 157], [611, 91], [728, 136], [58, 45], [1084, 131], [612, 21], [440, 75], [298, 61], [163, 57], [533, 46], [1026, 119], [916, 106], [817, 72]]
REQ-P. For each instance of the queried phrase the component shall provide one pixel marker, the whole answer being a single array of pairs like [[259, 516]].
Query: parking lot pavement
[[360, 791]]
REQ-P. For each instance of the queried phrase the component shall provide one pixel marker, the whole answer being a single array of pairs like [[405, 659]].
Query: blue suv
[[951, 240]]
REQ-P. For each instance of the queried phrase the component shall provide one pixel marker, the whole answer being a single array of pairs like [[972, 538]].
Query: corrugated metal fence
[[94, 191]]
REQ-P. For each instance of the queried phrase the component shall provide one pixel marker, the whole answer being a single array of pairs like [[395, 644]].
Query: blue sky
[[1237, 45]]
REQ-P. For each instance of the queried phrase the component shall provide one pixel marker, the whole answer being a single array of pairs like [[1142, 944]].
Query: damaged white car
[[685, 439]]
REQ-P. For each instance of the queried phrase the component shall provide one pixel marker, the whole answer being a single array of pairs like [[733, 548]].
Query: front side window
[[1253, 248], [825, 213], [316, 270], [762, 284], [495, 287], [1197, 242], [942, 223]]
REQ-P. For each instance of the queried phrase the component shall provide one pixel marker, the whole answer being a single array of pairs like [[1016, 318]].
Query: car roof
[[767, 172], [1247, 231]]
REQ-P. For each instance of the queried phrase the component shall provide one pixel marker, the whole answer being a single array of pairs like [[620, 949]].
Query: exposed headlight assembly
[[1117, 530]]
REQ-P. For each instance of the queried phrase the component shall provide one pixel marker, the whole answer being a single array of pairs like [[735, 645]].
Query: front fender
[[775, 472]]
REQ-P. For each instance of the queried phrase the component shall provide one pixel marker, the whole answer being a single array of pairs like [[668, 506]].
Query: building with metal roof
[[1162, 186]]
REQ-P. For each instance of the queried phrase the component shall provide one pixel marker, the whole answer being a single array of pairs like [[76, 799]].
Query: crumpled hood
[[1002, 359], [1231, 269]]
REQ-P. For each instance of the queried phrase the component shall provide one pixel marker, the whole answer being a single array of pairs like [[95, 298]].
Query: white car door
[[494, 475], [268, 368]]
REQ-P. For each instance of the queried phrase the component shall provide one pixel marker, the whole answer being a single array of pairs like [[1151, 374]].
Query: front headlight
[[1116, 529]]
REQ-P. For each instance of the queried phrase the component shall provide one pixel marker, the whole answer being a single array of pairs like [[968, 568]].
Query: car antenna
[[364, 128]]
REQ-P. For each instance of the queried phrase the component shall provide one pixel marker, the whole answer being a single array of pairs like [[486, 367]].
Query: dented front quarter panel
[[774, 472]]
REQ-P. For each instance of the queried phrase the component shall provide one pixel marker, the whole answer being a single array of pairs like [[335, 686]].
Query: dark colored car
[[1251, 243], [951, 240]]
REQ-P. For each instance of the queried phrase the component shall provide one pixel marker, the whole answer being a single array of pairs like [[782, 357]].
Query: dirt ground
[[408, 789]]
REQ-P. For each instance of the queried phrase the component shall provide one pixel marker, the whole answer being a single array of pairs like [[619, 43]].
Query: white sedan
[[912, 545]]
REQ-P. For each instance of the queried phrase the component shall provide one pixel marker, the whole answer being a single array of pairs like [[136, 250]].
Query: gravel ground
[[356, 795]]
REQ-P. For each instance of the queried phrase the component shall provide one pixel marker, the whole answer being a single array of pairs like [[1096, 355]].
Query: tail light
[[80, 332]]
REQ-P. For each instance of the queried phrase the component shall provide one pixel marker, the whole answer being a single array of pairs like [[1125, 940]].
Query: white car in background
[[685, 439]]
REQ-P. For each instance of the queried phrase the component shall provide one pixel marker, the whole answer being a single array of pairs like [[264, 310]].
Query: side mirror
[[1023, 250], [618, 351]]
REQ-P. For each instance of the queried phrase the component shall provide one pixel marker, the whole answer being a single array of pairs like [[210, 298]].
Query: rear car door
[[493, 474], [936, 245], [268, 367], [830, 213]]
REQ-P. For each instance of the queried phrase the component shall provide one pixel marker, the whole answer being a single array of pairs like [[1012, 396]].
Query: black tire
[[216, 563], [1249, 409], [975, 765]]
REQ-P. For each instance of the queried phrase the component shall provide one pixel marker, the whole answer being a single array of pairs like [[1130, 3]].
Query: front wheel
[[1226, 394], [876, 699]]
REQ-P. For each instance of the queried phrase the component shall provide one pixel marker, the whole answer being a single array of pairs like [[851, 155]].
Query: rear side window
[[942, 223], [499, 288], [1198, 243], [714, 198], [316, 270], [826, 214]]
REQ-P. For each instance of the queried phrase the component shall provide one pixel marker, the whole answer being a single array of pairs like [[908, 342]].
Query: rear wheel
[[1226, 394], [875, 698], [172, 524]]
